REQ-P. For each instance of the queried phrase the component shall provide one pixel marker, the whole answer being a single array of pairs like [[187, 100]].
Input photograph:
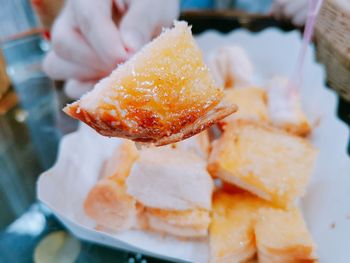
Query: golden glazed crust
[[147, 134], [163, 94], [264, 160]]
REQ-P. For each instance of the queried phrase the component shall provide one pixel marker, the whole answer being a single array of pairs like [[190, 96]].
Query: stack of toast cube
[[237, 191]]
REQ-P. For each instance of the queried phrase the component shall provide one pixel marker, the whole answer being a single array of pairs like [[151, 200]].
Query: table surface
[[27, 229]]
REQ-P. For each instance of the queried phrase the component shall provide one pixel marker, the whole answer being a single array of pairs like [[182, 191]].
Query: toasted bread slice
[[285, 109], [170, 179], [231, 232], [107, 202], [251, 102], [282, 236], [231, 66], [110, 207], [243, 224], [118, 166], [264, 160], [187, 224], [163, 94]]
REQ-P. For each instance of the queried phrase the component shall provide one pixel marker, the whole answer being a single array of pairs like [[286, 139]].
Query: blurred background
[[31, 122]]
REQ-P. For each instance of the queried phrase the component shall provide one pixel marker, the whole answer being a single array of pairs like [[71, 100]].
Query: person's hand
[[295, 10], [91, 37]]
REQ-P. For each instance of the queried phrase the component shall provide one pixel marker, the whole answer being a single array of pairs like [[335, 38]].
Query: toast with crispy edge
[[107, 203], [163, 94], [170, 179], [265, 161], [282, 236], [231, 232], [251, 102]]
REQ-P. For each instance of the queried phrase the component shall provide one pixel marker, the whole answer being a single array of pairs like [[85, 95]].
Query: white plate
[[326, 206]]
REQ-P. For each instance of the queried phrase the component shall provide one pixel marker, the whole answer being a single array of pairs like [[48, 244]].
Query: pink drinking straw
[[296, 79]]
